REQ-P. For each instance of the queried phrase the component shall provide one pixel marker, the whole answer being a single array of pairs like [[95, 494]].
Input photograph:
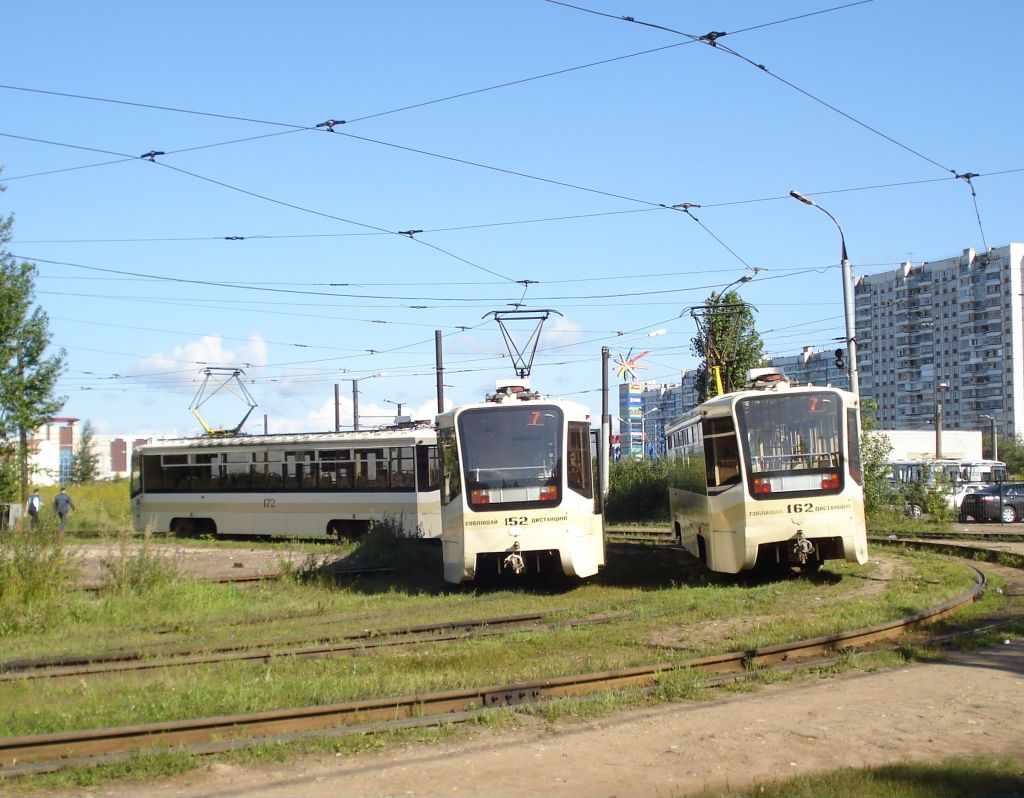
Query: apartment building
[[945, 338]]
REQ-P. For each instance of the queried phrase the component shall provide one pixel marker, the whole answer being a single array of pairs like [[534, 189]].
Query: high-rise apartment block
[[945, 338]]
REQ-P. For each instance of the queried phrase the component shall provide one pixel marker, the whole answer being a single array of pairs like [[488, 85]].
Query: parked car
[[1003, 501]]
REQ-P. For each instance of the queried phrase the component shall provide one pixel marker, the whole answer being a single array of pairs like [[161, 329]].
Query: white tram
[[306, 485], [517, 489], [769, 476]]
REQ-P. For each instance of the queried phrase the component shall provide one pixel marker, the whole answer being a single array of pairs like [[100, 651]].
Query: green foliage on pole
[[728, 339], [28, 376]]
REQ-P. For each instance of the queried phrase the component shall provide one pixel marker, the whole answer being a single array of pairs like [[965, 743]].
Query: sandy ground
[[969, 705], [96, 560]]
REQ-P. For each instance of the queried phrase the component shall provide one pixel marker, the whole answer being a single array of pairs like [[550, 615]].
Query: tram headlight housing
[[762, 487]]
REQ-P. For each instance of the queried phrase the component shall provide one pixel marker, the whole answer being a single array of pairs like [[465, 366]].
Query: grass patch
[[962, 777], [666, 620]]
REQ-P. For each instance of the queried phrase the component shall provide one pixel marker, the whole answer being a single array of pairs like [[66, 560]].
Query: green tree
[[84, 461], [875, 449], [727, 338], [28, 377], [1011, 452]]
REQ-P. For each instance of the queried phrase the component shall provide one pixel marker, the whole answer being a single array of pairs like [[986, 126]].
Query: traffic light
[[840, 361]]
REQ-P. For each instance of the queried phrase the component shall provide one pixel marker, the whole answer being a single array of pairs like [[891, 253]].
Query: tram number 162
[[803, 507]]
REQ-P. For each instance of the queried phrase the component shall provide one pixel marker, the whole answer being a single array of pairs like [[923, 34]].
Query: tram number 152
[[516, 520]]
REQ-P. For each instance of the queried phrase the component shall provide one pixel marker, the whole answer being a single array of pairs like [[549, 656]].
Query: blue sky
[[545, 191]]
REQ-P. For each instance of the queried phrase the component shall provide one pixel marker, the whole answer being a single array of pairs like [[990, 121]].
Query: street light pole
[[643, 432], [355, 396], [938, 419], [995, 435], [851, 339], [629, 426]]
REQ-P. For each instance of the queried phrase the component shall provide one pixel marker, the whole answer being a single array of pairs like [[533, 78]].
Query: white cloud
[[182, 369]]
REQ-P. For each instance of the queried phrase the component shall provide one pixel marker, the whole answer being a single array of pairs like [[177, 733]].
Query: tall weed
[[35, 573], [638, 491], [136, 568]]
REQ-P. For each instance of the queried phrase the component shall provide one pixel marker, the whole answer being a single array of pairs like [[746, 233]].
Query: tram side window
[[336, 469], [371, 469], [403, 468], [135, 486], [267, 471], [175, 472], [299, 470], [853, 442], [205, 472], [451, 484], [721, 452], [234, 471], [579, 471], [152, 474], [428, 468]]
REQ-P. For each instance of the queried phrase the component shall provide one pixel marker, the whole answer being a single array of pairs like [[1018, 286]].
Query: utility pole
[[606, 427], [337, 408], [439, 360]]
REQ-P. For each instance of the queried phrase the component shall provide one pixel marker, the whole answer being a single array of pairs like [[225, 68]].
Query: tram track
[[49, 752], [352, 644]]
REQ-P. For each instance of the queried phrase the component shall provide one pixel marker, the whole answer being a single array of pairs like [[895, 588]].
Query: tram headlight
[[478, 496], [762, 486], [549, 493]]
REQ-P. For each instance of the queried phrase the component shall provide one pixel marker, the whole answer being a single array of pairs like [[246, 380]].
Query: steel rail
[[355, 642], [963, 550], [48, 752]]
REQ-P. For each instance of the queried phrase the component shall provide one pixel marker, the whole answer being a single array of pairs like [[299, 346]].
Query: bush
[[638, 491]]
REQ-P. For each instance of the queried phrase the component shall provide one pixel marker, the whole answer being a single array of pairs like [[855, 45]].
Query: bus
[[960, 476], [315, 485]]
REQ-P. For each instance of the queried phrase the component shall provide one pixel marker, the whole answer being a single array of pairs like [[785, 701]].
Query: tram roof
[[723, 403], [417, 433]]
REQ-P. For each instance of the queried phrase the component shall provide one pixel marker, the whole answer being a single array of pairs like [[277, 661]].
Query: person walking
[[35, 504], [62, 504]]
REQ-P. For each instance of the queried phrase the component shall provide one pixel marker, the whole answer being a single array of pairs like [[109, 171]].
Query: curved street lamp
[[851, 340], [355, 396], [643, 432]]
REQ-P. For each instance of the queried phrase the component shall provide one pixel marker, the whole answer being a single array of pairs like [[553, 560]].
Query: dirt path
[[969, 705]]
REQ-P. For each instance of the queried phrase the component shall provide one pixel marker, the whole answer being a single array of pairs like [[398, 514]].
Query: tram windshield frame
[[792, 444], [512, 456]]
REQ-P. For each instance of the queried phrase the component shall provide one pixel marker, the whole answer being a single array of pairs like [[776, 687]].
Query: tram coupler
[[803, 549], [515, 560]]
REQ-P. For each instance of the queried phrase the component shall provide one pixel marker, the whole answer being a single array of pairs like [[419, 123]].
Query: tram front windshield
[[792, 443], [511, 456]]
